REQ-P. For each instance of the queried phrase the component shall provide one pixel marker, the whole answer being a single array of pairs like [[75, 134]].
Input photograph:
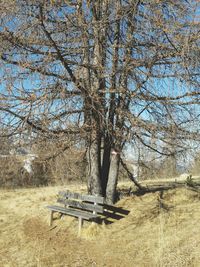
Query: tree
[[100, 72]]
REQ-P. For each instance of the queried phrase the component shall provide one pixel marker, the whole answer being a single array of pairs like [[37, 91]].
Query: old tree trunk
[[94, 73]]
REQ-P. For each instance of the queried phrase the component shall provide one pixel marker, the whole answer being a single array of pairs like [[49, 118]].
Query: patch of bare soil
[[160, 230]]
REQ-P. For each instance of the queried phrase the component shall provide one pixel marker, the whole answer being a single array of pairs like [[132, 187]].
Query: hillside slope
[[160, 230]]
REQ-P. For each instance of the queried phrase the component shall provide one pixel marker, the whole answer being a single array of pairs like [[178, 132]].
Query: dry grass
[[157, 232]]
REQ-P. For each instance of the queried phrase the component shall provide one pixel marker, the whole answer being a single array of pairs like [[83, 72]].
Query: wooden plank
[[72, 212], [89, 198], [81, 205]]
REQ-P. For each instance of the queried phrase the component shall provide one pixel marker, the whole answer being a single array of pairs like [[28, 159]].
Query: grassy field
[[158, 231]]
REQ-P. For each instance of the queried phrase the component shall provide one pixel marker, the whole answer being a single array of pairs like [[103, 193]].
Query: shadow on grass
[[112, 214]]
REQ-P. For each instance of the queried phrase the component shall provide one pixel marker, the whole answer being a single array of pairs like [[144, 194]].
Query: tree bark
[[94, 182], [105, 164], [112, 178]]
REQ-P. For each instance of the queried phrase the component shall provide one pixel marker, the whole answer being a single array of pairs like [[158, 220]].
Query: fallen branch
[[130, 175]]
